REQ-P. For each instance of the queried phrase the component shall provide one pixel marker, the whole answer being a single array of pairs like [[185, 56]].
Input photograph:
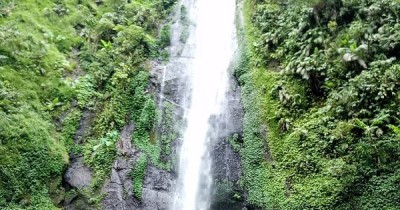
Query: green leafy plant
[[99, 155], [185, 24], [319, 92], [137, 174]]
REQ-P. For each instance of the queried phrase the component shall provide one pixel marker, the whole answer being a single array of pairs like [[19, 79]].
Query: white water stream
[[214, 42]]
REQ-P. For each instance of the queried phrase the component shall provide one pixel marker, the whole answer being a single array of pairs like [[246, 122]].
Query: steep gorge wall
[[74, 75], [319, 83], [143, 175]]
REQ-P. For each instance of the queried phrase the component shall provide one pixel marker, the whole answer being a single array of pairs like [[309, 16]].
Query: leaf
[[349, 57], [395, 129], [108, 143], [362, 63], [96, 147], [106, 44], [344, 146], [342, 50], [363, 47], [55, 101], [379, 132], [381, 30]]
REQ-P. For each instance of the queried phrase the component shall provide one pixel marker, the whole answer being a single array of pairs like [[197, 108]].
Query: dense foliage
[[320, 86], [321, 79], [137, 175], [62, 63]]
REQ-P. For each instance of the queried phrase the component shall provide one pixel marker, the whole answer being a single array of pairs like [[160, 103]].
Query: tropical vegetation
[[320, 88], [63, 62]]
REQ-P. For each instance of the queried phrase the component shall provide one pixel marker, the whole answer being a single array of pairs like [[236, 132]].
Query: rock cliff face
[[169, 83], [118, 189], [78, 176], [226, 167]]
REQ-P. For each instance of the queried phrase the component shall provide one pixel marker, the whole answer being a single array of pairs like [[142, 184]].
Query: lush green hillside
[[58, 58], [321, 91]]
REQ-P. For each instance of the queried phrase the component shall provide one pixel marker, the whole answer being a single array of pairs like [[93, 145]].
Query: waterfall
[[214, 45]]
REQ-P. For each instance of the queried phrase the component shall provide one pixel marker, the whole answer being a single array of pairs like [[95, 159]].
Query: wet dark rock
[[226, 171], [226, 164], [157, 189], [118, 189], [78, 175], [157, 192], [157, 179], [156, 200], [234, 108], [78, 204], [84, 125], [158, 184]]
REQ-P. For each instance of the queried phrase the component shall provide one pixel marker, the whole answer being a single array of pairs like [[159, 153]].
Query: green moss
[[304, 144], [70, 126], [185, 24], [234, 142], [99, 155], [58, 58], [165, 36], [138, 174]]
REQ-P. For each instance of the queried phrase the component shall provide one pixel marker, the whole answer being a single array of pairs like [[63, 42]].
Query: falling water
[[214, 44], [164, 71]]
